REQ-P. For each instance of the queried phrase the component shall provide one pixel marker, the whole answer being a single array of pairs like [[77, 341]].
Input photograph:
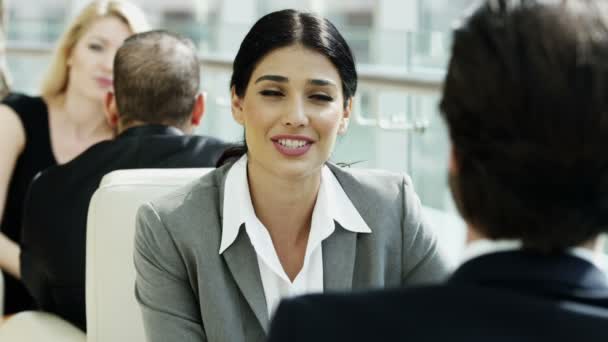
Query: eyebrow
[[283, 79], [320, 82], [104, 40], [275, 78]]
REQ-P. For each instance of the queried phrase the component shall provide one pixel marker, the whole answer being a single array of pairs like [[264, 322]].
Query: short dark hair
[[526, 104], [156, 78], [284, 28]]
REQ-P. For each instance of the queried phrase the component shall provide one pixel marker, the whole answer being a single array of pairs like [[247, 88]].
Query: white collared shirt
[[485, 246], [332, 205]]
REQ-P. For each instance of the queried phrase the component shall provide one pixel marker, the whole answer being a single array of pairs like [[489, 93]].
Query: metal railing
[[370, 76]]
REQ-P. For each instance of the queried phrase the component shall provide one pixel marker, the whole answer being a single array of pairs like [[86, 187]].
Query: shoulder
[[190, 216], [210, 145], [196, 202], [93, 161], [11, 121], [195, 150], [371, 178], [21, 103], [360, 301], [359, 315], [376, 186], [14, 105], [207, 141], [12, 129], [20, 98], [21, 113]]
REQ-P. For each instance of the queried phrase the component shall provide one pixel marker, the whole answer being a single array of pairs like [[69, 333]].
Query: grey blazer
[[188, 292]]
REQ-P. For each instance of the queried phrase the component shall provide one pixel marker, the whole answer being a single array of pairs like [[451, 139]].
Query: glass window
[[396, 127]]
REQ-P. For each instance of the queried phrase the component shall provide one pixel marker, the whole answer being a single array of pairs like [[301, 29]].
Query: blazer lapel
[[340, 248], [339, 251], [242, 262]]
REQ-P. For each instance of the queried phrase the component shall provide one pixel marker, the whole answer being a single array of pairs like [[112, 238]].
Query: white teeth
[[290, 143]]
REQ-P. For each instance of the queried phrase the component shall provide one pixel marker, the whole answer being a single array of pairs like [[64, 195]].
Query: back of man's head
[[156, 79], [526, 103]]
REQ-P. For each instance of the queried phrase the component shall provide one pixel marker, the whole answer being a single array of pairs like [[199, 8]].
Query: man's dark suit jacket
[[505, 296], [54, 231]]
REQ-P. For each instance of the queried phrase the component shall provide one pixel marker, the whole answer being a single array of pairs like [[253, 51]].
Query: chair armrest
[[34, 326]]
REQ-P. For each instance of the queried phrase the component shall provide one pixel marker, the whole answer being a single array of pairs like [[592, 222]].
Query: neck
[[473, 235], [125, 126], [595, 245], [134, 123], [85, 118], [283, 205]]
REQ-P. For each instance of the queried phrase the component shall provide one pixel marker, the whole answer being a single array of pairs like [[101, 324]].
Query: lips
[[292, 145], [104, 82]]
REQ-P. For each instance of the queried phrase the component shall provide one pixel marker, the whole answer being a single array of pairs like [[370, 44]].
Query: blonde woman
[[38, 132]]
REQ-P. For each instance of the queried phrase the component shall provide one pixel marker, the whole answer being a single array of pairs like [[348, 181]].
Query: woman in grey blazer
[[277, 220]]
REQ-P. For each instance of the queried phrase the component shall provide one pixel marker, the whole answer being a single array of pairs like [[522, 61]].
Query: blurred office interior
[[401, 48]]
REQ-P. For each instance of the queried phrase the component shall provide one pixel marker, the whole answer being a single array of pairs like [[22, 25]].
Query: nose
[[295, 114], [107, 62]]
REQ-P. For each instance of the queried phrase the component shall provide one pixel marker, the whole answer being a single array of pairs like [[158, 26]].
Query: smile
[[292, 147], [290, 143]]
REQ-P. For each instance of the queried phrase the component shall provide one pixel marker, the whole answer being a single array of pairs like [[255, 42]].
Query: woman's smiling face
[[292, 111]]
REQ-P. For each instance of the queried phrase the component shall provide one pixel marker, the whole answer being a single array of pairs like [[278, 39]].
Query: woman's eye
[[271, 93], [322, 97], [95, 47]]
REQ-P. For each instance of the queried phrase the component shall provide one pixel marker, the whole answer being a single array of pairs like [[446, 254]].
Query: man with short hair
[[526, 104], [155, 105]]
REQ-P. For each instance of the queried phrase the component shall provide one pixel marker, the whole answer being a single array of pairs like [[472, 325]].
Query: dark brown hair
[[156, 78], [526, 103], [283, 28]]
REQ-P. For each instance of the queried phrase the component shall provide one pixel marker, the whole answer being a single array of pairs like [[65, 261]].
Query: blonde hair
[[56, 78]]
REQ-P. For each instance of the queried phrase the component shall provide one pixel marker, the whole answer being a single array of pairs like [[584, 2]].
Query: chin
[[99, 94], [296, 168]]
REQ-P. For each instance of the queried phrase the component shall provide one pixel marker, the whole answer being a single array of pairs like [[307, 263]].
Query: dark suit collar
[[559, 273], [145, 130]]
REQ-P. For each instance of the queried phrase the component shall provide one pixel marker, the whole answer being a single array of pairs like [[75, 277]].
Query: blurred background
[[401, 48]]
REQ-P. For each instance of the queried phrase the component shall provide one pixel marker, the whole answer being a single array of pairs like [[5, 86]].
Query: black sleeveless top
[[36, 156]]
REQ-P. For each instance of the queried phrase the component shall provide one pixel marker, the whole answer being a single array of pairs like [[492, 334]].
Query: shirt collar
[[332, 203], [237, 203], [485, 246], [150, 129], [340, 207]]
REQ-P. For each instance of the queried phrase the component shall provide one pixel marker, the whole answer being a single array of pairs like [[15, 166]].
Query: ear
[[199, 109], [237, 107], [111, 111], [453, 162], [345, 117]]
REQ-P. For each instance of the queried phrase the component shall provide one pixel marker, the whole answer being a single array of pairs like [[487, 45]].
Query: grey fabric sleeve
[[422, 261], [170, 308]]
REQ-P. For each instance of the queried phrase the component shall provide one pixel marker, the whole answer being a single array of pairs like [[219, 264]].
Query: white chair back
[[35, 326], [112, 311], [1, 294]]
